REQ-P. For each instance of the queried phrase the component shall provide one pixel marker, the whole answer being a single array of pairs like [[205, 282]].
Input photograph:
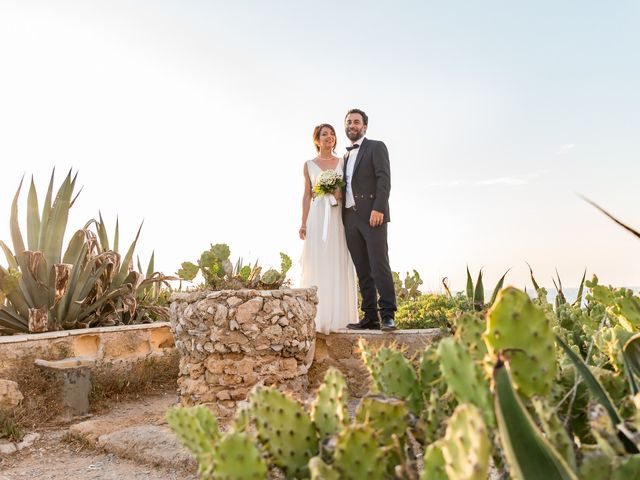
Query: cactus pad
[[434, 465], [516, 325], [469, 330], [386, 416], [285, 429], [329, 409], [466, 447], [321, 471], [464, 377], [357, 454], [236, 457], [195, 427]]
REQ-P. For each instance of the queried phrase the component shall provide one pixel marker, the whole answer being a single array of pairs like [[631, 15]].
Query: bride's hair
[[316, 135]]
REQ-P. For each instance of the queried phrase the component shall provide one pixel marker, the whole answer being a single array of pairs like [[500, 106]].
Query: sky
[[196, 118]]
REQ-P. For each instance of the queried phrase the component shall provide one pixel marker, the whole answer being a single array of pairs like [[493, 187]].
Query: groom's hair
[[365, 119]]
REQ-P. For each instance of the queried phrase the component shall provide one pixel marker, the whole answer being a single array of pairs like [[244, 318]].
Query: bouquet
[[327, 183]]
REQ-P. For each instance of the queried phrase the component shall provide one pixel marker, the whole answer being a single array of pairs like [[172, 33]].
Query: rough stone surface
[[10, 395], [148, 443], [7, 447], [231, 340], [340, 350]]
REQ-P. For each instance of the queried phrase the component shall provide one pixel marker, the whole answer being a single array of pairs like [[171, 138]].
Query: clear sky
[[196, 116]]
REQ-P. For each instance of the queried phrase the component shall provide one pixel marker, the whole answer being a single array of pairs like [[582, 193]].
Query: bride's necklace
[[325, 158]]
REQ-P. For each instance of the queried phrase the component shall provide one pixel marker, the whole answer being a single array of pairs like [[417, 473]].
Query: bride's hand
[[302, 232], [338, 194]]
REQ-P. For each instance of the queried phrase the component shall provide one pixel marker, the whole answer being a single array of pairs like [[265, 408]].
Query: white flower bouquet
[[327, 183]]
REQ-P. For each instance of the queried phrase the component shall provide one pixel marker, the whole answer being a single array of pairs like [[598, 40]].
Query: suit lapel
[[362, 150]]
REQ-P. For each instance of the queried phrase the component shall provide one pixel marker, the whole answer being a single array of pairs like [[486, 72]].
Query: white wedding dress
[[326, 262]]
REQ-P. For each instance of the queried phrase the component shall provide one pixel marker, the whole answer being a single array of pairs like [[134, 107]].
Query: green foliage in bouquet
[[220, 274], [47, 287]]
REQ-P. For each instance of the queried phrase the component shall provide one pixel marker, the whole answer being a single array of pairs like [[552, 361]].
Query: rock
[[248, 310], [150, 444], [10, 395], [233, 301], [233, 325], [7, 447], [28, 440]]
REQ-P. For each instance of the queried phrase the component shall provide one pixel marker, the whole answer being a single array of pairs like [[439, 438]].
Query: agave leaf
[[46, 211], [633, 386], [75, 246], [11, 260], [79, 264], [102, 233], [528, 453], [478, 294], [126, 263], [57, 222], [599, 394], [33, 218], [11, 321], [116, 236], [445, 283], [16, 235], [578, 300], [35, 277], [596, 389], [497, 288], [626, 227], [10, 285], [631, 351], [151, 266], [87, 278], [533, 280], [469, 286], [109, 296]]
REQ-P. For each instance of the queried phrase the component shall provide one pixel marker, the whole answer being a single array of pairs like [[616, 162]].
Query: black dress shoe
[[388, 324], [364, 324]]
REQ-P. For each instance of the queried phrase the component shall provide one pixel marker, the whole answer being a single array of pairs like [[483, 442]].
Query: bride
[[326, 262]]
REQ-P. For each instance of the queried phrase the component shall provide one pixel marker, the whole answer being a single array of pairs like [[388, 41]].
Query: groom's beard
[[354, 136]]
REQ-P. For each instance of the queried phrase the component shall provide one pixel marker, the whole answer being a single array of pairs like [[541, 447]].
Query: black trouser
[[369, 252]]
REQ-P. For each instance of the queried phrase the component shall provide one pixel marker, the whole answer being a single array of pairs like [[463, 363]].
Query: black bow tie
[[352, 147]]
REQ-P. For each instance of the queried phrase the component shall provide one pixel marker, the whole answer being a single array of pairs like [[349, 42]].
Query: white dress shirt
[[349, 201]]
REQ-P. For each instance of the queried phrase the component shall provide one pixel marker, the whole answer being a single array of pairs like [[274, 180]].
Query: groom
[[365, 215]]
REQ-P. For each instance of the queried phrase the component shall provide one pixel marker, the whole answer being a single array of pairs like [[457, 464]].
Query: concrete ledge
[[110, 345], [340, 349]]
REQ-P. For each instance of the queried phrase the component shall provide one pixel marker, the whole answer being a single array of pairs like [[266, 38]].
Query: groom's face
[[354, 127]]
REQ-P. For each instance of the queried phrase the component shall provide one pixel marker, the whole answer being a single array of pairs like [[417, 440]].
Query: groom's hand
[[376, 218]]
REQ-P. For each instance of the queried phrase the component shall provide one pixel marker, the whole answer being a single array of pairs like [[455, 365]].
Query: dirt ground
[[58, 456]]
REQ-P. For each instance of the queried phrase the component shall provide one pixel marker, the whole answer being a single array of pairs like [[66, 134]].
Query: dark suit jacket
[[371, 182]]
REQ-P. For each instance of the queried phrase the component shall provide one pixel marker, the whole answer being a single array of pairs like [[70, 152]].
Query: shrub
[[431, 310]]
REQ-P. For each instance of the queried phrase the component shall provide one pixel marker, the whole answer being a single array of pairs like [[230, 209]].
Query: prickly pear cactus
[[627, 468], [329, 409], [358, 455], [469, 330], [196, 428], [434, 464], [466, 447], [236, 457], [433, 416], [399, 379], [321, 471], [385, 416], [464, 377], [555, 431], [285, 429], [429, 369], [596, 466], [270, 277], [242, 419], [516, 325]]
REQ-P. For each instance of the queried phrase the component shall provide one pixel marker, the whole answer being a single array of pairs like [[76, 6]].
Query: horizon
[[196, 117]]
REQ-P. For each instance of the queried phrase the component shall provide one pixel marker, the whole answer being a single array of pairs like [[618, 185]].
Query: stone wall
[[340, 350], [230, 340]]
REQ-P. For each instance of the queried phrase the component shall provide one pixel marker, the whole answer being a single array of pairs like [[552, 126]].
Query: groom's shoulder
[[375, 142]]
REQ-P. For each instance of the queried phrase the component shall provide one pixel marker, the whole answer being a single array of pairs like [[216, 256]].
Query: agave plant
[[47, 288], [475, 294]]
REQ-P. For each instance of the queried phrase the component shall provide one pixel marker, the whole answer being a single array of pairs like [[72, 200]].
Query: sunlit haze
[[196, 117]]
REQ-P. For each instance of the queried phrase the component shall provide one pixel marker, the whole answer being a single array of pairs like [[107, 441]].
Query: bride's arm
[[306, 203]]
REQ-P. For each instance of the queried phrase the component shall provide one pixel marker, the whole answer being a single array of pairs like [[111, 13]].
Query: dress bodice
[[314, 170]]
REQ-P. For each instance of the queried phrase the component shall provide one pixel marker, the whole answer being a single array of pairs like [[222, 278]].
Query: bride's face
[[327, 138]]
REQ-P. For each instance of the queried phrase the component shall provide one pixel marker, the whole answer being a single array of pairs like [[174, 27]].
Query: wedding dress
[[326, 262]]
